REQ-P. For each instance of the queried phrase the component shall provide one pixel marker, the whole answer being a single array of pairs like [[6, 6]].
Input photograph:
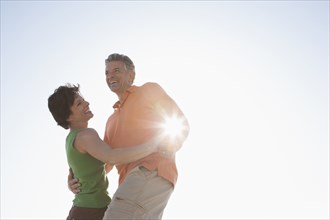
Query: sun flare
[[173, 126]]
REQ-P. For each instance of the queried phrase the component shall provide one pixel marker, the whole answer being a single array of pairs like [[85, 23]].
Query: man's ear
[[131, 76]]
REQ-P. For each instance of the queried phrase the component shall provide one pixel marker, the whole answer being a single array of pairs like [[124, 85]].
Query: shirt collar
[[130, 90]]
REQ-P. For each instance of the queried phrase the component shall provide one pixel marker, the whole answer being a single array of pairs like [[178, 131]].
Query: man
[[141, 113]]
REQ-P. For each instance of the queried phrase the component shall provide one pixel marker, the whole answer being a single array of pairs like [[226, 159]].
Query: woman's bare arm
[[89, 141]]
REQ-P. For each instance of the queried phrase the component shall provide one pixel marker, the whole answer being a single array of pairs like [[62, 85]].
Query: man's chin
[[112, 88]]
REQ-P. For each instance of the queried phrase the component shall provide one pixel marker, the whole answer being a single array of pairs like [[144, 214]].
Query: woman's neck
[[77, 126]]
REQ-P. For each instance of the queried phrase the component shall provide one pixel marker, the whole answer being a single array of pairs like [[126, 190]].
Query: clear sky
[[251, 76]]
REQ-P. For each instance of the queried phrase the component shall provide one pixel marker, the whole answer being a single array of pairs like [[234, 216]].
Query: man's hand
[[165, 150], [73, 183]]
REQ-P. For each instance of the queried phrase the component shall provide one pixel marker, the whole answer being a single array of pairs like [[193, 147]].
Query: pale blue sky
[[251, 76]]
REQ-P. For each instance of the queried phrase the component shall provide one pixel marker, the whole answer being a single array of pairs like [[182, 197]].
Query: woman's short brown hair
[[60, 102]]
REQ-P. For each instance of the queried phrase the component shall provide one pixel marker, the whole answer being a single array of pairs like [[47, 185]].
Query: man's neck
[[121, 97]]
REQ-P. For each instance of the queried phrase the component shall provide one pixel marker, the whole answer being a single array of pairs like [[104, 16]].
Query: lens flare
[[172, 126]]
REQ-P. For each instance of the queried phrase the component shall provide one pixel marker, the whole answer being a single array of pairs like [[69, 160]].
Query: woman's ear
[[69, 119]]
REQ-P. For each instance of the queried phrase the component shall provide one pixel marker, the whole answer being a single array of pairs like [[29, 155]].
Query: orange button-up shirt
[[136, 120]]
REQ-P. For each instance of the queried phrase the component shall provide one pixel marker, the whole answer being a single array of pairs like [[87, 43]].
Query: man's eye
[[116, 71]]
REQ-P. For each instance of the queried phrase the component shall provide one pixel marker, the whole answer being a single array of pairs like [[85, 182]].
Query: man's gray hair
[[123, 58]]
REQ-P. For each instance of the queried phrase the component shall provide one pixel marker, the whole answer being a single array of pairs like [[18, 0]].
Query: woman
[[87, 153]]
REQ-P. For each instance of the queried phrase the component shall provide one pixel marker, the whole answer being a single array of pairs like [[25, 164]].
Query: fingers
[[73, 183], [70, 176], [108, 167], [74, 186], [166, 151], [167, 154]]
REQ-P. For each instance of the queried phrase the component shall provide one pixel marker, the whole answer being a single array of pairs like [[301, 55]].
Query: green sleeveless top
[[91, 174]]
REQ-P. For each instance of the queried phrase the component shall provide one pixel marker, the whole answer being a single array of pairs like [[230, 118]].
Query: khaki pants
[[142, 195]]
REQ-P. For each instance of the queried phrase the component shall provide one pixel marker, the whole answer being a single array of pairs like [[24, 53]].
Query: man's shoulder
[[151, 92], [151, 86]]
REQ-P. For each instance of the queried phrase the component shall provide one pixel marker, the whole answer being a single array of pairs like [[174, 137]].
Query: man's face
[[118, 78]]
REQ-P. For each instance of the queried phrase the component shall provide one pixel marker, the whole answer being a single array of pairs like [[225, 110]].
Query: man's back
[[138, 118]]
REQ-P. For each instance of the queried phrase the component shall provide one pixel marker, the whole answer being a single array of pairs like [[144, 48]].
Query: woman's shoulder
[[86, 132]]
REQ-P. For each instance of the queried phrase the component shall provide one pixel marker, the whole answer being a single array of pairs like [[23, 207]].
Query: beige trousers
[[142, 195]]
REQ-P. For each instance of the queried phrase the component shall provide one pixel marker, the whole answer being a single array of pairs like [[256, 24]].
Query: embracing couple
[[135, 141]]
